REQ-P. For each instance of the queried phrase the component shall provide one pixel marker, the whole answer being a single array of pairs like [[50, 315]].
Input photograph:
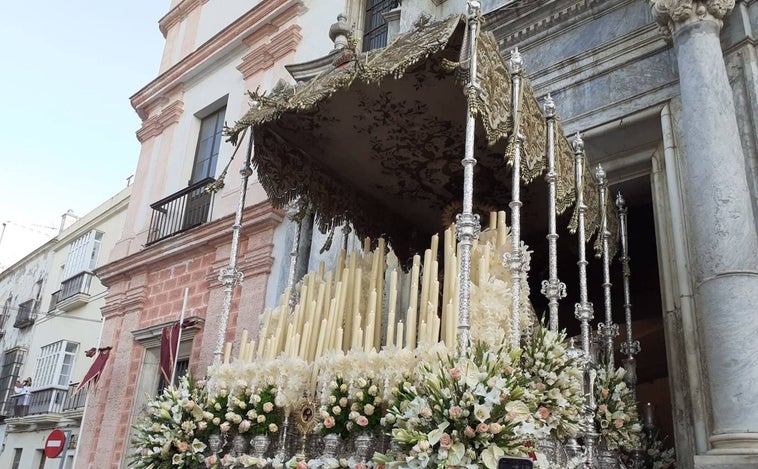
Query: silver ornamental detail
[[467, 224], [608, 331], [629, 347], [552, 288]]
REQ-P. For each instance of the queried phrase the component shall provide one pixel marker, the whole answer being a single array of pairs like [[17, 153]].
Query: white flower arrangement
[[616, 417], [171, 434]]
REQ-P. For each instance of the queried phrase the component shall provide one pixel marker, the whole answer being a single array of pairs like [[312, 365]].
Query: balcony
[[186, 209], [3, 320], [27, 314], [74, 292], [52, 404]]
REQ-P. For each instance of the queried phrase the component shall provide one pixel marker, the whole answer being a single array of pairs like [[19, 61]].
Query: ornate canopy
[[377, 140]]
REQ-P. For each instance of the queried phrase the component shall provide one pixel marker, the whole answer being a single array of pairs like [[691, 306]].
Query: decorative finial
[[578, 143], [516, 62], [600, 175], [339, 32], [474, 7], [620, 202], [549, 106]]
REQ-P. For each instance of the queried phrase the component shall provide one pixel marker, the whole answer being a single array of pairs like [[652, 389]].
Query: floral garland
[[335, 410], [616, 416]]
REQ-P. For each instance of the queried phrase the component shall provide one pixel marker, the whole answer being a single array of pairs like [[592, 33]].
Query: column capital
[[672, 15]]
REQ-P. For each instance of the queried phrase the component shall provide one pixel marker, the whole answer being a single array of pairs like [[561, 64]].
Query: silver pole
[[230, 277], [583, 310], [630, 347], [552, 288], [608, 331], [467, 223], [513, 259], [179, 336]]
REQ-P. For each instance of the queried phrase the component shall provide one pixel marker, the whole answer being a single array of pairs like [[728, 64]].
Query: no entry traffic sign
[[55, 443]]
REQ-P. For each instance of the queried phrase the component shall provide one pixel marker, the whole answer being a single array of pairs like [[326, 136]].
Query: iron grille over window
[[26, 315], [375, 30], [13, 360]]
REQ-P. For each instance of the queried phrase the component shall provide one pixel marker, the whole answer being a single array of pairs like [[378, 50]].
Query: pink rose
[[244, 426], [604, 392], [482, 428], [301, 465], [343, 401], [618, 423], [469, 432], [446, 441], [602, 408], [362, 421], [455, 412], [268, 407], [426, 412], [360, 465], [329, 422], [225, 427], [211, 460], [190, 405], [543, 412], [455, 374], [495, 428], [182, 446]]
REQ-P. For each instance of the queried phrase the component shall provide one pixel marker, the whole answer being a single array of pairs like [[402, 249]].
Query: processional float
[[336, 358]]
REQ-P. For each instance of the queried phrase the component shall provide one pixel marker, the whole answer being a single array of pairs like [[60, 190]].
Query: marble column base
[[734, 444], [726, 462]]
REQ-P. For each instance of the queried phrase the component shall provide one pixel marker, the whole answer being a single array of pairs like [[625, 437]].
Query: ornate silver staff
[[583, 310], [467, 225], [608, 330], [552, 288], [630, 347], [514, 259], [229, 276]]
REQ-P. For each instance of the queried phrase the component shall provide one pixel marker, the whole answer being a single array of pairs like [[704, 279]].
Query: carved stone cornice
[[177, 14], [155, 125], [672, 15], [264, 57]]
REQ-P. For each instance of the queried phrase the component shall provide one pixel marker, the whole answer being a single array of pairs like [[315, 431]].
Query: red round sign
[[55, 443]]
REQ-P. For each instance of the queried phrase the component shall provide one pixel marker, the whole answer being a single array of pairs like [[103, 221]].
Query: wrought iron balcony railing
[[27, 314], [188, 208]]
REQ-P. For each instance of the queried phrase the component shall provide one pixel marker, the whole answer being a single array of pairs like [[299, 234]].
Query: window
[[208, 144], [55, 363], [83, 254], [182, 365], [375, 30], [16, 458], [13, 360], [41, 458]]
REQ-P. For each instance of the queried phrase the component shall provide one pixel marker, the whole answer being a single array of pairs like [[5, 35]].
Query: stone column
[[724, 246]]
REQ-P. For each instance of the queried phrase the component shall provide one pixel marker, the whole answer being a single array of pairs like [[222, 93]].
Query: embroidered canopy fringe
[[377, 139]]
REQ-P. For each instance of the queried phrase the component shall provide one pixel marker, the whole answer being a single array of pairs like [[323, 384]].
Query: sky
[[67, 129]]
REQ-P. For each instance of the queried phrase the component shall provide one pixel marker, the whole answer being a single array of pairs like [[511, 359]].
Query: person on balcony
[[23, 394]]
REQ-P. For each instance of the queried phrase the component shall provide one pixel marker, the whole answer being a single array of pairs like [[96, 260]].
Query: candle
[[493, 220], [368, 342], [501, 229], [423, 333], [399, 339], [410, 316], [303, 345], [379, 311], [227, 352], [320, 346], [391, 307], [339, 338], [425, 284], [251, 351], [243, 343]]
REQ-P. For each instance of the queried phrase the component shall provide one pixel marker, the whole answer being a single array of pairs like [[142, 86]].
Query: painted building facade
[[667, 103], [52, 302]]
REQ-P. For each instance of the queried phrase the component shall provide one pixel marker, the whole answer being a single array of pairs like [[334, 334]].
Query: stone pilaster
[[724, 247]]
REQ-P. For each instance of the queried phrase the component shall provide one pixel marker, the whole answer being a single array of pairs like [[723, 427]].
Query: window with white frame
[[54, 364], [83, 253]]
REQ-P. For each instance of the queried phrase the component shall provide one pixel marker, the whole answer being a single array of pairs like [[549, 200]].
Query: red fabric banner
[[169, 348], [94, 372]]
